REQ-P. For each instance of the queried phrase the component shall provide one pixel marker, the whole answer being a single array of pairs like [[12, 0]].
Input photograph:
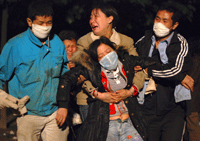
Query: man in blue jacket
[[162, 108], [32, 63]]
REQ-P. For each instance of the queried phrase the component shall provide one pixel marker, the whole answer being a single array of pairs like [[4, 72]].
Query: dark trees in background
[[135, 16]]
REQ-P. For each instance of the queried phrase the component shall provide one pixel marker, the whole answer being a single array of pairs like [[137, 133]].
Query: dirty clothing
[[95, 126], [33, 69], [36, 124]]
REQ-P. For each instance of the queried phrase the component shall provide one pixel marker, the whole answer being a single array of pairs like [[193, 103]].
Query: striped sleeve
[[179, 62]]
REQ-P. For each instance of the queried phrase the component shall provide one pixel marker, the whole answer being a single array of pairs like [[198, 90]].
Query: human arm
[[7, 100], [67, 82], [188, 82], [7, 66], [108, 97], [8, 63], [128, 44], [115, 97], [61, 116], [178, 58], [70, 65]]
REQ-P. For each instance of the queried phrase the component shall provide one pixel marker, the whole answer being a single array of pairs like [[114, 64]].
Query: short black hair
[[92, 51], [40, 8], [108, 10], [68, 35], [177, 14]]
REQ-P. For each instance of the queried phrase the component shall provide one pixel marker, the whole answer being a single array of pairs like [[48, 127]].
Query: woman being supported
[[111, 71]]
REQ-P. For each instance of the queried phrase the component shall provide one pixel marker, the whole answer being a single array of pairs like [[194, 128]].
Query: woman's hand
[[123, 94], [111, 97], [61, 116], [81, 78], [108, 97]]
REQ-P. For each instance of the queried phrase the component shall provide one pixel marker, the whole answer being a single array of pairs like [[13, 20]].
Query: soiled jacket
[[33, 69], [95, 126], [122, 40]]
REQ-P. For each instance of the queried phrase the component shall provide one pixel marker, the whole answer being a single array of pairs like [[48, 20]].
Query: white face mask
[[160, 30], [41, 31]]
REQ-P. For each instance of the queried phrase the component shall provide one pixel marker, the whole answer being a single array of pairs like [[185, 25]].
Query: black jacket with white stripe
[[166, 76]]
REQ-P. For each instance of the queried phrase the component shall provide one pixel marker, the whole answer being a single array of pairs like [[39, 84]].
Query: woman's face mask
[[109, 61], [41, 31]]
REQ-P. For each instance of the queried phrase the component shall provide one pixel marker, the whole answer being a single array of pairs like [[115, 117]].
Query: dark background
[[135, 16]]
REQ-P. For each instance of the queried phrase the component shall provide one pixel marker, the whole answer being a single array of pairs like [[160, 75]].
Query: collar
[[111, 71], [35, 40], [119, 69], [114, 37], [168, 40]]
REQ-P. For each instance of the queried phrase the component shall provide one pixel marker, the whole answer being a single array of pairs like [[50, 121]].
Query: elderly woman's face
[[99, 22], [103, 50]]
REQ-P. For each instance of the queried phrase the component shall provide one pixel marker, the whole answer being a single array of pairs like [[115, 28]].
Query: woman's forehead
[[96, 11]]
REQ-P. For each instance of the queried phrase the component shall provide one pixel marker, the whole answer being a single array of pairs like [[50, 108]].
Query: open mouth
[[93, 27]]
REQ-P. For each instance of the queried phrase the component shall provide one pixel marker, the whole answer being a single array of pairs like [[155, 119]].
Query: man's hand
[[61, 116], [71, 65], [188, 82], [7, 100], [137, 68]]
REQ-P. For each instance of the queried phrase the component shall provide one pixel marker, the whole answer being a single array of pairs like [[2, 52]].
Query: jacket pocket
[[57, 65], [28, 72]]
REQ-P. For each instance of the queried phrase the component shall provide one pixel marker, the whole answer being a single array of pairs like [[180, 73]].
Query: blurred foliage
[[143, 7], [135, 15]]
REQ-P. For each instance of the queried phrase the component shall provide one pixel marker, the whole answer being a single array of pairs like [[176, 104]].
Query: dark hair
[[94, 45], [68, 35], [177, 15], [108, 10], [40, 8]]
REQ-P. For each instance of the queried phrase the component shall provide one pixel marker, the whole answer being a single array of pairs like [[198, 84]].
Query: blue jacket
[[33, 69]]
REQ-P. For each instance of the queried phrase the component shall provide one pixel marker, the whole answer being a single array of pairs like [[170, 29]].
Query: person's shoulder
[[55, 37], [84, 41], [180, 37], [18, 38], [147, 36], [85, 37], [124, 37], [125, 40]]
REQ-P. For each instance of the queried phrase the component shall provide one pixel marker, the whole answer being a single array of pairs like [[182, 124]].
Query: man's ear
[[110, 19], [175, 25], [29, 21]]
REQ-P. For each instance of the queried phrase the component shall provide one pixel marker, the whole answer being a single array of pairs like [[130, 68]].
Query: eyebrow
[[47, 21], [108, 49], [157, 17]]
